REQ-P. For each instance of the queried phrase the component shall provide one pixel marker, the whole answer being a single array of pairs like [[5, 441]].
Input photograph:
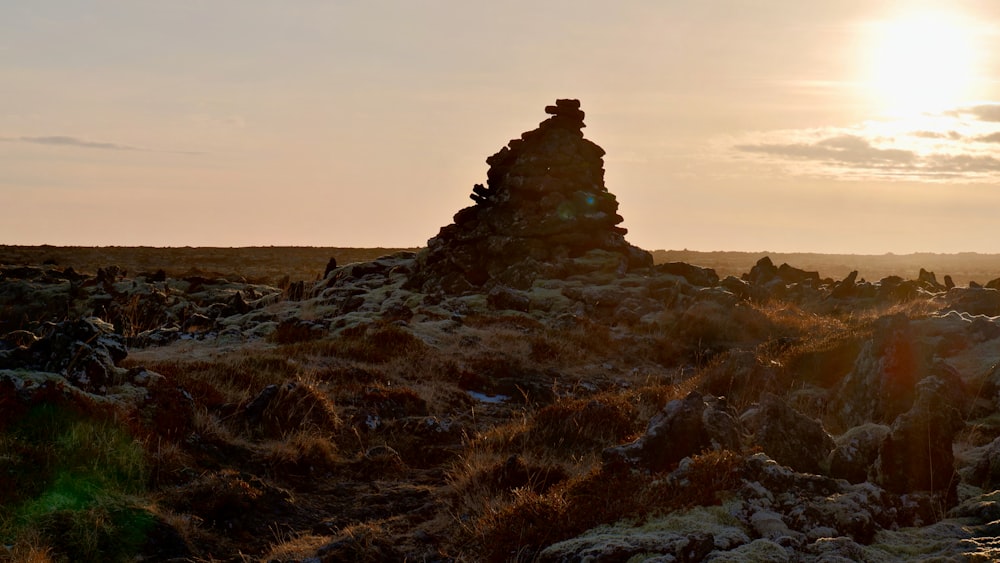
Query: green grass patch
[[77, 479]]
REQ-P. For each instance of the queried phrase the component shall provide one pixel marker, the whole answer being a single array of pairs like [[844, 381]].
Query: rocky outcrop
[[86, 352], [917, 454], [856, 451], [543, 213], [788, 436], [981, 301], [683, 428], [882, 383]]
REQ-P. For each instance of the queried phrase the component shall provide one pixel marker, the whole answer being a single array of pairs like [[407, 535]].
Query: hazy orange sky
[[781, 125]]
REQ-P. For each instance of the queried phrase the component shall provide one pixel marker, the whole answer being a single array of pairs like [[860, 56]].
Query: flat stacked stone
[[544, 212]]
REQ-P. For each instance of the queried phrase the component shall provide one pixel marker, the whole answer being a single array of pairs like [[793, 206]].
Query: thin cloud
[[992, 138], [76, 142], [953, 135], [983, 112], [65, 141], [986, 112], [843, 149], [963, 164]]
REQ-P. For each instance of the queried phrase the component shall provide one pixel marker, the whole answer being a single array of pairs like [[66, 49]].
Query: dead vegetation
[[381, 441]]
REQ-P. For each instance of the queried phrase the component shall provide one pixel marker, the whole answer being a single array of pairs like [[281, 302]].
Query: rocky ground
[[577, 403]]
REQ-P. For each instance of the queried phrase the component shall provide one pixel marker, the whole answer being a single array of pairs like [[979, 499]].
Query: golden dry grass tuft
[[582, 426], [296, 547], [519, 529], [299, 405]]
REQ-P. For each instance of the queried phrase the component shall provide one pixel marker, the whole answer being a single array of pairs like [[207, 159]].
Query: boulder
[[790, 437], [985, 470], [501, 297], [847, 288], [684, 427], [856, 451], [984, 301], [928, 281], [762, 272], [695, 275]]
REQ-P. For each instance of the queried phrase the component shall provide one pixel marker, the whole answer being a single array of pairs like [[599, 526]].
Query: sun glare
[[921, 62]]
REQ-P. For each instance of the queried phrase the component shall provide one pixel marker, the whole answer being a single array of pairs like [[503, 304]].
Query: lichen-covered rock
[[501, 297], [985, 470], [689, 535], [85, 351]]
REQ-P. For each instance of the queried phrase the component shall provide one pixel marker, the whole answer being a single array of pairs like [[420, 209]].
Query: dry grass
[[375, 343], [28, 548], [518, 529], [301, 453], [296, 547]]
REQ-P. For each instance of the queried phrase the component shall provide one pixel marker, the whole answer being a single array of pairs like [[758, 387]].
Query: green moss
[[76, 479]]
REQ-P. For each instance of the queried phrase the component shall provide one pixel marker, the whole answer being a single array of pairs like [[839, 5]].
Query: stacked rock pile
[[543, 213]]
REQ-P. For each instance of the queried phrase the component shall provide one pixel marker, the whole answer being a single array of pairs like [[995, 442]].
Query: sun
[[920, 63]]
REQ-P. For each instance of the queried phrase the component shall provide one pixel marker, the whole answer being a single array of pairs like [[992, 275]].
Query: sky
[[776, 125]]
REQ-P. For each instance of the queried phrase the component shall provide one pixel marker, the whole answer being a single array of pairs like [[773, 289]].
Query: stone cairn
[[544, 213]]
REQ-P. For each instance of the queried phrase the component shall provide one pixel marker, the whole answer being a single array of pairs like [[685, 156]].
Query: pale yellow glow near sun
[[921, 62]]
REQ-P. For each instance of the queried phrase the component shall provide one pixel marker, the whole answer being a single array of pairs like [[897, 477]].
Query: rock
[[985, 472], [544, 205], [815, 506], [702, 277], [255, 408], [790, 437], [973, 301], [330, 266], [762, 272], [894, 289], [689, 535], [736, 286], [197, 323], [501, 297], [86, 351], [917, 453], [847, 288], [929, 281], [683, 427], [790, 274], [237, 305], [882, 383], [856, 451]]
